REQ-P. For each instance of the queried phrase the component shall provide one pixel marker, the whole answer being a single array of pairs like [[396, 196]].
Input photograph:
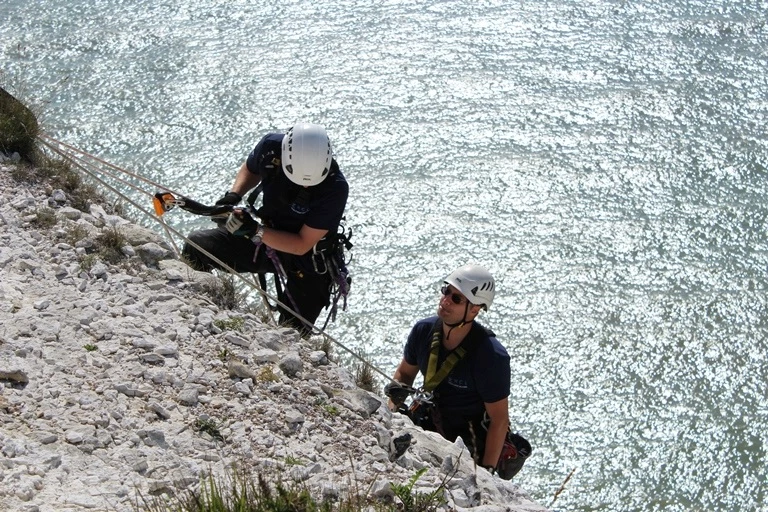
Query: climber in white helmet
[[466, 373], [303, 202]]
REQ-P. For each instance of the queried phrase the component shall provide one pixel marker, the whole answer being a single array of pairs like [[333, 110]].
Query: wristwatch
[[256, 238]]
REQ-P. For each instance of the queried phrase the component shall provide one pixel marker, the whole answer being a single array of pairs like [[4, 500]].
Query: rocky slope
[[121, 381]]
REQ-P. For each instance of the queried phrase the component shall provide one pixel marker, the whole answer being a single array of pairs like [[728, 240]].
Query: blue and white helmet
[[475, 283], [307, 154]]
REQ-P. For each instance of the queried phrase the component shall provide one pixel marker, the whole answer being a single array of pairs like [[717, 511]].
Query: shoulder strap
[[435, 375], [265, 178]]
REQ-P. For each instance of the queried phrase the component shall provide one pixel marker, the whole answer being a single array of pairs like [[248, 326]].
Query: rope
[[79, 158]]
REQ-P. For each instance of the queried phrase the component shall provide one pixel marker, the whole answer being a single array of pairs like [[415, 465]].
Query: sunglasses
[[455, 297]]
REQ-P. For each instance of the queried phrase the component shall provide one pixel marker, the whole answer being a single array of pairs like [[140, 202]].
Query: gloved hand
[[232, 198], [397, 392], [241, 223]]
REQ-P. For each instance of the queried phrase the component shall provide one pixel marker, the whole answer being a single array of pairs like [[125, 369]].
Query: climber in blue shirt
[[465, 368], [304, 197]]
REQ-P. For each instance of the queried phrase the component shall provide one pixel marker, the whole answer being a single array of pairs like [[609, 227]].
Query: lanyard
[[434, 374]]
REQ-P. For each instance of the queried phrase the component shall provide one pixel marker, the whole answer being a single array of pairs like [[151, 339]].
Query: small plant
[[59, 173], [209, 426], [241, 491], [224, 293], [326, 346], [267, 374], [23, 173], [87, 262], [231, 324], [415, 501], [90, 347], [75, 233], [111, 242], [364, 376], [18, 126], [331, 410], [290, 460], [44, 218], [223, 355], [84, 196]]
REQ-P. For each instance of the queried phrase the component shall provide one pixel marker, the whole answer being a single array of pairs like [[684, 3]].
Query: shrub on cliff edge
[[18, 127]]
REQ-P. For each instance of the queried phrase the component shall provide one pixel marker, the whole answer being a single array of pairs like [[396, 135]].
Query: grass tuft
[[111, 241], [45, 218], [209, 427], [224, 292], [235, 323], [364, 376], [240, 492]]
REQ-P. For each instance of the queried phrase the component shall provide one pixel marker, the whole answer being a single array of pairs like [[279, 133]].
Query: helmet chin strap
[[460, 323]]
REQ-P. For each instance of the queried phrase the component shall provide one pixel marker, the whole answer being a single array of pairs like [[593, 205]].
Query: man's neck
[[452, 337]]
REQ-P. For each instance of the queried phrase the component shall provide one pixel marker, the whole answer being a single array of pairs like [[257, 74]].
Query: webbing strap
[[280, 274], [434, 374]]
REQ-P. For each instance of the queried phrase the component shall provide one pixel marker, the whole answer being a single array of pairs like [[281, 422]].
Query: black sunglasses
[[455, 297]]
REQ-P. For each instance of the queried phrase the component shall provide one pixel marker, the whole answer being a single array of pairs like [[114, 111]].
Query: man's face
[[452, 305]]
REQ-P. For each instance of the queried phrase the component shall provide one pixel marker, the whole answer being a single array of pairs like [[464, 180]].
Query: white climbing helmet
[[307, 154], [475, 283]]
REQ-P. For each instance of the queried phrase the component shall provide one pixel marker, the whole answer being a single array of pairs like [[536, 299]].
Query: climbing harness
[[422, 399], [106, 174], [328, 256]]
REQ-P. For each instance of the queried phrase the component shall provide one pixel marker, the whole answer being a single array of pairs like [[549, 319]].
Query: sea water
[[605, 160]]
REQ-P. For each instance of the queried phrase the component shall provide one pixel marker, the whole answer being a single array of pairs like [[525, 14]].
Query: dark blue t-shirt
[[287, 206], [481, 376]]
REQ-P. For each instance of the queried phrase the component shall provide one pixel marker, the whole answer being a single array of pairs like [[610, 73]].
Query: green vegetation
[[246, 494], [413, 501], [209, 427], [223, 354], [235, 323], [224, 293], [75, 233], [111, 242], [45, 218], [290, 460], [90, 347], [87, 262], [364, 376], [332, 410], [267, 374], [18, 127]]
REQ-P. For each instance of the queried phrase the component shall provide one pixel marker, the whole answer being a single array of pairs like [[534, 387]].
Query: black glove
[[232, 198], [241, 223], [397, 392]]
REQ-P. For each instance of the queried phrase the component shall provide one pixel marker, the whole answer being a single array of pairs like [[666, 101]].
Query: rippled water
[[605, 159]]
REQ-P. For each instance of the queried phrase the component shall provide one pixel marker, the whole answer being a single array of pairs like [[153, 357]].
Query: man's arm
[[293, 243], [498, 412], [245, 180], [405, 374]]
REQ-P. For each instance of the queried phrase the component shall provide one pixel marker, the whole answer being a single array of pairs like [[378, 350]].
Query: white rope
[[78, 158]]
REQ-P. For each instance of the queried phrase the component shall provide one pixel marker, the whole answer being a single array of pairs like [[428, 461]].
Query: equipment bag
[[513, 455]]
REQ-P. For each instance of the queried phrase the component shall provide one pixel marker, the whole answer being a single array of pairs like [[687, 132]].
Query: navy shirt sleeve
[[416, 351], [265, 157]]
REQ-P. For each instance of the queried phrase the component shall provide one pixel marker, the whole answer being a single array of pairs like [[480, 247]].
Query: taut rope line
[[76, 156], [111, 166]]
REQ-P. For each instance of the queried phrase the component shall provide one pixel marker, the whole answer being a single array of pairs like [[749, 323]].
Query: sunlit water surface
[[606, 160]]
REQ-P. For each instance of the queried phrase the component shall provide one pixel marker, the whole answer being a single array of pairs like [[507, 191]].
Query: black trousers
[[310, 291]]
